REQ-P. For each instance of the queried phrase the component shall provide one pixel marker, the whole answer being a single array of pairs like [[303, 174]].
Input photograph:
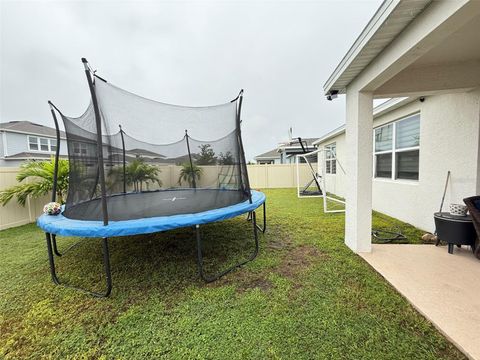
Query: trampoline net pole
[[57, 153], [191, 162], [98, 124], [123, 158], [242, 162]]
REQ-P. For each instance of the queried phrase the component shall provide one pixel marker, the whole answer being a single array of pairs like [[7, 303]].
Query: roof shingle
[[29, 127], [269, 154]]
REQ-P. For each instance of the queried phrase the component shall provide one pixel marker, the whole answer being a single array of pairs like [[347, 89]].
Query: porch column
[[478, 155], [358, 217]]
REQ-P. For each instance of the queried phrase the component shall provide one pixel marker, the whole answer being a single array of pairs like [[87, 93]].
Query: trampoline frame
[[53, 251], [51, 238]]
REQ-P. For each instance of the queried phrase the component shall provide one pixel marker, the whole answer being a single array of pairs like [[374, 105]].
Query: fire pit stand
[[454, 230]]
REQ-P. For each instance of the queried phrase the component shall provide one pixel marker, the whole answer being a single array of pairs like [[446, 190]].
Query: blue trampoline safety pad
[[60, 225]]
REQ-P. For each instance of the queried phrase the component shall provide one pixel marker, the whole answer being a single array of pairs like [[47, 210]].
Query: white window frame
[[81, 146], [327, 149], [33, 142], [394, 150], [50, 142], [44, 142]]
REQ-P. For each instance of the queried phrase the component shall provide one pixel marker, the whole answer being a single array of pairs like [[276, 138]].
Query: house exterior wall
[[15, 143], [2, 134], [10, 163], [290, 160], [335, 183], [269, 161], [449, 140]]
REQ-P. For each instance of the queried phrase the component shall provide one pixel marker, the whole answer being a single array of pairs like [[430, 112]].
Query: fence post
[[29, 205], [265, 175]]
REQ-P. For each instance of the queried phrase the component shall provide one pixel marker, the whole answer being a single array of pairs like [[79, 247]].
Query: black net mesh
[[158, 159]]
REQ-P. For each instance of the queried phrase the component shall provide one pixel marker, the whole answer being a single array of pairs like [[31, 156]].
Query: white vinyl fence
[[13, 214], [261, 177]]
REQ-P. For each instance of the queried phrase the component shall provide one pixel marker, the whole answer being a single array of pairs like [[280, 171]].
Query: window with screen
[[33, 143], [53, 145], [80, 148], [397, 149], [44, 144], [330, 158], [36, 143]]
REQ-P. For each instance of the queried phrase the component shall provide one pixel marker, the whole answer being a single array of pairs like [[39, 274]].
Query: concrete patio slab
[[444, 288]]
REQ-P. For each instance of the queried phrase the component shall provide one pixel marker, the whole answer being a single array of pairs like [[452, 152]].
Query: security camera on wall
[[332, 95]]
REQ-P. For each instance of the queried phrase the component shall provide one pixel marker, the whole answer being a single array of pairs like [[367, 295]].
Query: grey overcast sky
[[191, 53]]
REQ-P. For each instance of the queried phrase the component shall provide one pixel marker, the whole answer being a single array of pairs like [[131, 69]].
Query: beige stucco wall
[[261, 176], [449, 140]]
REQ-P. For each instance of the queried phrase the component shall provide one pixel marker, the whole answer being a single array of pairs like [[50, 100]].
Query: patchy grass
[[306, 296]]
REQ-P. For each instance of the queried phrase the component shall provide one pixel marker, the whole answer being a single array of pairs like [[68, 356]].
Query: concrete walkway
[[444, 288]]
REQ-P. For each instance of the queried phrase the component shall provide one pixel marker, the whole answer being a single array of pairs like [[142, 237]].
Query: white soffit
[[388, 22]]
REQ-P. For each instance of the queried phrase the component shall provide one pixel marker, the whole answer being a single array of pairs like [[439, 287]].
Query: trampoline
[[138, 166], [63, 225]]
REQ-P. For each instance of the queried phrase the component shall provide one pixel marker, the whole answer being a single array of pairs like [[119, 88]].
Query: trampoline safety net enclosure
[[140, 138], [139, 166]]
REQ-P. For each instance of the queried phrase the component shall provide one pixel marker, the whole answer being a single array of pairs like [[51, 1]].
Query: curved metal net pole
[[190, 159], [98, 123], [242, 162], [124, 161], [55, 169]]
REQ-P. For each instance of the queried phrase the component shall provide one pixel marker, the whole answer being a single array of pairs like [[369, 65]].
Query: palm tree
[[139, 172], [41, 174], [188, 173]]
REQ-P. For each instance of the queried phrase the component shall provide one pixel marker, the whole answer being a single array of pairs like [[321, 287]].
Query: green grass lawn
[[306, 296]]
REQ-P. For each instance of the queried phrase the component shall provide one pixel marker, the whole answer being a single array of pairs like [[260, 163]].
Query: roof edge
[[391, 105], [62, 137], [382, 13], [266, 157], [335, 132]]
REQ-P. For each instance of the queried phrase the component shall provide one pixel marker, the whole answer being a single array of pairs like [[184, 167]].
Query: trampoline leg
[[55, 249], [201, 272], [106, 265], [264, 228], [51, 260]]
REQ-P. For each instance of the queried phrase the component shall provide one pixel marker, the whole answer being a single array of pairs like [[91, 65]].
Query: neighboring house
[[270, 157], [288, 152], [25, 140], [285, 153], [115, 155], [428, 52]]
